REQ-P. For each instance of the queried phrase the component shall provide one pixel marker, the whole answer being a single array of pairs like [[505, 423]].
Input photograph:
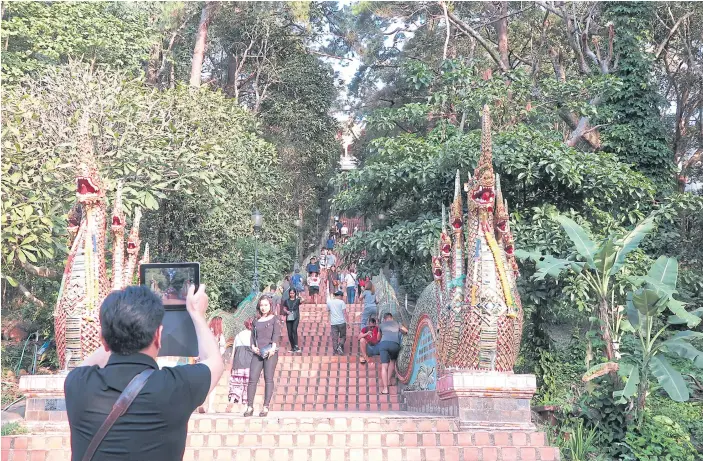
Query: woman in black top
[[291, 309], [265, 333]]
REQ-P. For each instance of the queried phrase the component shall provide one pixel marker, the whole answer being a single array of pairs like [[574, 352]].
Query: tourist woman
[[265, 333], [370, 303], [332, 280], [215, 325], [290, 308], [241, 361]]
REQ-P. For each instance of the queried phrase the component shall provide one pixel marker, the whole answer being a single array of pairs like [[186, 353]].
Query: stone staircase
[[325, 407]]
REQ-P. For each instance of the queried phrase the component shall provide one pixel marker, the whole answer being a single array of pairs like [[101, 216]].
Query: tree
[[36, 35], [644, 307], [599, 267], [200, 42], [173, 150]]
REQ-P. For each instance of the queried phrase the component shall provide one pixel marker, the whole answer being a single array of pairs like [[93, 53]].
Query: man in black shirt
[[155, 426]]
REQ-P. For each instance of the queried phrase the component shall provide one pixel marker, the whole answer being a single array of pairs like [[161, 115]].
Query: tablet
[[171, 281]]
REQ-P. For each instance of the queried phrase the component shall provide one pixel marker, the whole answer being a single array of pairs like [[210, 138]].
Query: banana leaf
[[669, 378]]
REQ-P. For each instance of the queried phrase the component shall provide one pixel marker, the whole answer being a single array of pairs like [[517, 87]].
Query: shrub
[[659, 439]]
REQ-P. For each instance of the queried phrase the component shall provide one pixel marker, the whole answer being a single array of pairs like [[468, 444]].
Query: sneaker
[[298, 350], [340, 350]]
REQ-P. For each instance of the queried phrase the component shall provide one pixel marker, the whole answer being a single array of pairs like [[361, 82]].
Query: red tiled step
[[328, 454]]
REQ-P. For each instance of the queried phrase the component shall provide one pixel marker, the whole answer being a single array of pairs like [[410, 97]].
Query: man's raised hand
[[196, 303]]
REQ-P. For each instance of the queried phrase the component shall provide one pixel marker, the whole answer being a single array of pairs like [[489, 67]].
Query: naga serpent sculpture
[[472, 308], [85, 283]]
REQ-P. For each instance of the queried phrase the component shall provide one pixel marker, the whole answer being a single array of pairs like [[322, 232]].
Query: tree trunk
[[300, 233], [604, 317], [502, 32], [154, 64], [196, 68], [231, 85]]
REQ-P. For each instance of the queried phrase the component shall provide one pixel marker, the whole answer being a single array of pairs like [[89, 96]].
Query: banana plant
[[645, 305], [597, 264]]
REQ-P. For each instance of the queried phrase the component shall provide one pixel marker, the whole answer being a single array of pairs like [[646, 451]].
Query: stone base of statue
[[45, 397], [480, 400]]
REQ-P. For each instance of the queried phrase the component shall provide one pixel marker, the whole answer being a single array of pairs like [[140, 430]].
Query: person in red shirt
[[368, 340]]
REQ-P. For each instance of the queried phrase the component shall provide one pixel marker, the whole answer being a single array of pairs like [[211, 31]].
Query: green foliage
[[635, 132], [13, 428], [688, 415], [599, 410], [37, 35], [581, 441], [182, 156], [660, 438], [645, 305]]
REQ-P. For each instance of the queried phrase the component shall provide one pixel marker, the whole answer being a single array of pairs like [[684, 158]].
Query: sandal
[[249, 412], [384, 393], [201, 410], [264, 412], [362, 360]]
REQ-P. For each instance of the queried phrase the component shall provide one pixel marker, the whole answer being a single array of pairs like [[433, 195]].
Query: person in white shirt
[[331, 260], [345, 232], [350, 283]]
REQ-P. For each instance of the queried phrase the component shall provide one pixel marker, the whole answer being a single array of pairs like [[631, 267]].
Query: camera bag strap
[[118, 409]]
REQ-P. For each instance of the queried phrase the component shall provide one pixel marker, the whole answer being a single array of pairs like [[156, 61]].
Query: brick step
[[324, 359], [340, 406], [231, 453], [319, 398], [307, 390], [324, 439], [300, 421]]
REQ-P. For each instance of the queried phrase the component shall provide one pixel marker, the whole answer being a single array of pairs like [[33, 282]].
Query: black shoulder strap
[[118, 409]]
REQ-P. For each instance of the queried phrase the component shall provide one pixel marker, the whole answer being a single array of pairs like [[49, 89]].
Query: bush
[[659, 439], [13, 428]]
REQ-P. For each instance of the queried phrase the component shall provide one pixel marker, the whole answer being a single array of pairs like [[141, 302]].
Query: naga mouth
[[446, 249], [85, 186], [131, 245], [510, 250], [485, 197], [502, 226], [438, 273], [116, 221], [456, 224]]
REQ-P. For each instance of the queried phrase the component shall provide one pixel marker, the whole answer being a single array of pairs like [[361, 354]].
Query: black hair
[[258, 305], [387, 316], [272, 287], [129, 319], [372, 320], [294, 292]]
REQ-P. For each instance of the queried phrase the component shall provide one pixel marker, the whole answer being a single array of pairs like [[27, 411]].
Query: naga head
[[437, 268], [445, 245], [118, 219], [133, 242], [89, 187], [482, 191]]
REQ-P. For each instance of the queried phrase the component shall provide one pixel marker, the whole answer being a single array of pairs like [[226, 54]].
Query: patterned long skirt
[[238, 381]]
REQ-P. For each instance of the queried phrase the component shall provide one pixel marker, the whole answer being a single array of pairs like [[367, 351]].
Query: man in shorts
[[368, 340], [389, 347], [313, 287]]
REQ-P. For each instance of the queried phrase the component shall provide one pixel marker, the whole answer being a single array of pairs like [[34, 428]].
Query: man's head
[[372, 321], [338, 294], [387, 316], [130, 321]]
